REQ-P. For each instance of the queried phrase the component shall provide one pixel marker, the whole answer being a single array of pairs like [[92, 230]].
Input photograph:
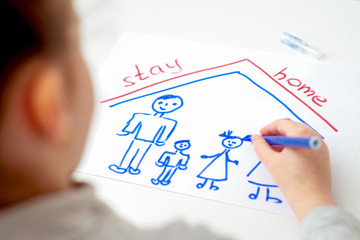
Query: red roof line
[[221, 66]]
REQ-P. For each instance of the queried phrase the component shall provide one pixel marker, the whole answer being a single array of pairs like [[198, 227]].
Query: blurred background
[[333, 26], [330, 25]]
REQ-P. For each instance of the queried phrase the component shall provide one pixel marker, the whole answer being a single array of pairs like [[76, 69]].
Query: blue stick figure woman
[[217, 170]]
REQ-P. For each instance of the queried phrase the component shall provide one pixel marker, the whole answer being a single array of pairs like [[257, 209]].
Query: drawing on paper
[[259, 186], [148, 129], [213, 88], [217, 169], [155, 129], [171, 162]]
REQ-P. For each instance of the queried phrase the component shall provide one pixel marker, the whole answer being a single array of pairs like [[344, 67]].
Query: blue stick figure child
[[171, 161], [217, 170]]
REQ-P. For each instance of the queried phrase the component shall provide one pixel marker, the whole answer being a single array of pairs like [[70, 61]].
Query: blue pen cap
[[300, 46]]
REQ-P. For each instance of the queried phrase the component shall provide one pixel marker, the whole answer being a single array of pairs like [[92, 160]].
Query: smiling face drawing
[[232, 142], [167, 104], [182, 145]]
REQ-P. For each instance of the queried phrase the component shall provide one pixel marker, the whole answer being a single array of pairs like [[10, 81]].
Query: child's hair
[[29, 28]]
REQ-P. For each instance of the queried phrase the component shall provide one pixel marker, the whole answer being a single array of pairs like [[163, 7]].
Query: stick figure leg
[[201, 185], [170, 173], [254, 196], [137, 159], [276, 200], [213, 187], [129, 155], [159, 179]]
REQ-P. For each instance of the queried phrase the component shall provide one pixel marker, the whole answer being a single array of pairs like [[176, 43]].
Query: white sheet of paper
[[222, 91]]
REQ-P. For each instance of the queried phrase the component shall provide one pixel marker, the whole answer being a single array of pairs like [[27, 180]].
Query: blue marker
[[299, 142]]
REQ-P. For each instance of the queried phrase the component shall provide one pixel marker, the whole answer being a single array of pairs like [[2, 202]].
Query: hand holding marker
[[302, 174], [313, 142], [297, 142]]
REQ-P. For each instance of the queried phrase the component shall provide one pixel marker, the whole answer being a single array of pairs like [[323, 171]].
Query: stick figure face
[[182, 145], [167, 104], [232, 142]]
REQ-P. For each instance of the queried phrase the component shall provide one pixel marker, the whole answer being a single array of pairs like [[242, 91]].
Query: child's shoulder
[[61, 214]]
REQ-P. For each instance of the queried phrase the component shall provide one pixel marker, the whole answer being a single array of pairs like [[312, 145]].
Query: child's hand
[[303, 175]]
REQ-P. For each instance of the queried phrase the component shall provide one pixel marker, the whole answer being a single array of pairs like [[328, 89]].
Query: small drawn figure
[[148, 130], [259, 185], [217, 170], [171, 161]]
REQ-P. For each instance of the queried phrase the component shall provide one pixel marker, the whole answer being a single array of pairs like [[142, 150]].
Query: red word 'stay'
[[153, 71], [296, 84]]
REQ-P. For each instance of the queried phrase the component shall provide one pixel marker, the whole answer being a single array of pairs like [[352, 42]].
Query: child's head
[[182, 145], [46, 98], [231, 141]]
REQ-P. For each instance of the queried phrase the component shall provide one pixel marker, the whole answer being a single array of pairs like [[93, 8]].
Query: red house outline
[[221, 66]]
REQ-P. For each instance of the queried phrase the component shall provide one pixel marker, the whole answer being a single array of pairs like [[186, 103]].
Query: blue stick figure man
[[217, 169], [171, 161], [148, 129]]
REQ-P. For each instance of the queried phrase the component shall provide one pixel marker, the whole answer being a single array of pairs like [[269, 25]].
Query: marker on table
[[300, 46], [299, 142]]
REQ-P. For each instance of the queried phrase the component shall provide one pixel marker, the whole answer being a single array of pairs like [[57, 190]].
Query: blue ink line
[[276, 98], [260, 184], [253, 169], [167, 89], [268, 197], [216, 76]]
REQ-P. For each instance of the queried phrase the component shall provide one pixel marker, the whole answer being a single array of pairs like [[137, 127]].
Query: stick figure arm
[[232, 161], [166, 131], [183, 162], [163, 159], [211, 156], [132, 125]]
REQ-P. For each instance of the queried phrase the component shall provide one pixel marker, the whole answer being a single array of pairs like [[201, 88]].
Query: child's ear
[[46, 103]]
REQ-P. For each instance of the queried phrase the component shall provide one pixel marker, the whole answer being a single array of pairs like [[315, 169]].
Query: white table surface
[[330, 25]]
